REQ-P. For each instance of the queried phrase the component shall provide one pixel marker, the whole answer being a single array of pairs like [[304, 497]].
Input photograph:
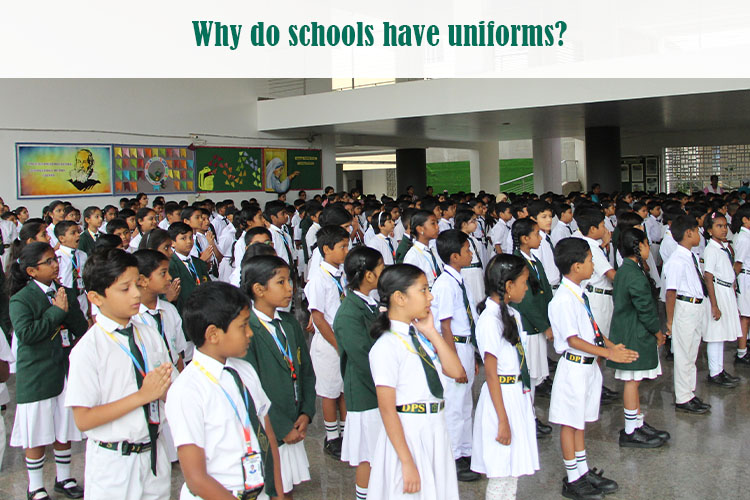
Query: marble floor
[[706, 459]]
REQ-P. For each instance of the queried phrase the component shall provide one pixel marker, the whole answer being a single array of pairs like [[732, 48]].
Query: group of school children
[[172, 332]]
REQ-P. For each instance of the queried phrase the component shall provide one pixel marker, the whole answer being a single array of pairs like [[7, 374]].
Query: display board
[[153, 169], [292, 169], [228, 169], [640, 173]]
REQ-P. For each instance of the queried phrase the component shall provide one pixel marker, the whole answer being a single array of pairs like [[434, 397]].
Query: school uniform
[[403, 247], [398, 230], [668, 245], [53, 241], [521, 457], [395, 363], [165, 319], [700, 249], [311, 240], [88, 240], [102, 371], [577, 387], [508, 243], [655, 232], [386, 246], [5, 355], [220, 223], [480, 233], [226, 240], [561, 231], [282, 246], [363, 422], [290, 390], [135, 242], [164, 224], [192, 273], [425, 258], [742, 254], [44, 336], [681, 273], [8, 234], [201, 415], [200, 244], [719, 261], [238, 251], [473, 274], [453, 300], [499, 236], [324, 291], [444, 225], [635, 322], [546, 255], [599, 287], [71, 271]]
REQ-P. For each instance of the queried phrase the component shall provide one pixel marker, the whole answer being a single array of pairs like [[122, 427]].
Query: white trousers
[[687, 325], [459, 405]]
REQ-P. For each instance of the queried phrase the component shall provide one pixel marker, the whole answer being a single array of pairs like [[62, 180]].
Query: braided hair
[[501, 269], [395, 278], [525, 227], [630, 246], [360, 260]]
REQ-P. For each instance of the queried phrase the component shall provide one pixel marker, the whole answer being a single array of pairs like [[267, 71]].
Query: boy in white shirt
[[501, 230], [563, 228], [541, 212], [71, 261]]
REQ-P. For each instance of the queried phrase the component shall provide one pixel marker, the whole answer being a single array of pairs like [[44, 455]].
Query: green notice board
[[228, 169]]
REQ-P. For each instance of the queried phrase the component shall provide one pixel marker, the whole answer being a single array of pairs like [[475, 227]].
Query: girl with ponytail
[[504, 446], [32, 230], [382, 225], [351, 326], [636, 324], [413, 457]]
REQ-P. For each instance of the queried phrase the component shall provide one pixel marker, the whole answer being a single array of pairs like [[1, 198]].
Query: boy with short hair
[[171, 214], [448, 210], [217, 409], [406, 240], [276, 215], [119, 375], [563, 228], [310, 226], [119, 227], [191, 270], [541, 212], [325, 290], [500, 232], [578, 381], [455, 316], [71, 261]]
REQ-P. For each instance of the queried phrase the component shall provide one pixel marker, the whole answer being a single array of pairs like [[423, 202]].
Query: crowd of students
[[172, 333]]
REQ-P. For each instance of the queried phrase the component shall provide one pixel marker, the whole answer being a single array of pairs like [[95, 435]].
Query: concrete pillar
[[485, 168], [603, 158], [547, 161], [411, 170]]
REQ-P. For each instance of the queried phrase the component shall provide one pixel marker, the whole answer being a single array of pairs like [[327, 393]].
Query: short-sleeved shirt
[[394, 362], [322, 292], [65, 255], [102, 372], [6, 354], [448, 302], [568, 317], [601, 266], [490, 338], [546, 255], [369, 234], [171, 323], [422, 256], [561, 231], [717, 261], [280, 243], [380, 243], [200, 414], [668, 245], [654, 229], [680, 274], [398, 230], [311, 238], [444, 225], [742, 247], [499, 235]]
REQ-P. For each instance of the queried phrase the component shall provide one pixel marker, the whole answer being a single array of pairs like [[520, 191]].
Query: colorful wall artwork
[[292, 169], [153, 169], [229, 169]]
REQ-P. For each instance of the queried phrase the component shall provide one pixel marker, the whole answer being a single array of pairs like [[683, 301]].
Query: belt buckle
[[125, 448]]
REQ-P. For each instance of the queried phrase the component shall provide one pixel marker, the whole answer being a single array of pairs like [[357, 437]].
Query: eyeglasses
[[49, 261]]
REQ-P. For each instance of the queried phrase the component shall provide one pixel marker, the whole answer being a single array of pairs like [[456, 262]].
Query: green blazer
[[42, 362], [635, 319], [533, 307], [275, 376], [351, 327], [403, 247], [86, 243], [177, 269]]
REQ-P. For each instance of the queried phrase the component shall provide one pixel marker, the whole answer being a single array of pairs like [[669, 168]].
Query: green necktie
[[476, 252], [433, 379], [467, 306], [525, 378], [260, 433], [434, 262], [153, 429], [160, 327]]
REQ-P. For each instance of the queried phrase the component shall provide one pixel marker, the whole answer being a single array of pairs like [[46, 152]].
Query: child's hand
[[310, 328], [715, 313], [156, 382], [621, 354], [174, 290], [207, 254], [301, 425], [210, 237], [660, 339], [548, 333], [426, 326], [606, 238], [503, 432], [411, 477], [668, 331], [293, 437], [61, 299]]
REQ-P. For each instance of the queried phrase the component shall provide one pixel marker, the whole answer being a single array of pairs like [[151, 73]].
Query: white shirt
[[322, 292], [448, 302], [668, 245], [478, 251], [164, 224], [296, 231], [422, 256], [101, 372], [6, 354], [444, 225], [369, 234], [742, 247], [394, 362], [609, 223], [9, 233], [717, 261], [66, 267], [499, 235], [507, 245], [490, 338], [280, 243], [546, 255], [561, 231], [311, 239], [135, 242], [654, 229], [239, 254], [680, 274], [171, 323], [380, 243], [398, 230], [601, 266], [568, 317], [226, 239], [200, 414], [51, 233], [480, 232]]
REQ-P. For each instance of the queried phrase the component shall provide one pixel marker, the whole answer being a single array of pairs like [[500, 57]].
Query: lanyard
[[142, 370], [430, 353], [532, 263], [338, 283], [287, 353], [160, 326], [432, 265], [192, 269], [390, 245], [246, 428], [598, 339]]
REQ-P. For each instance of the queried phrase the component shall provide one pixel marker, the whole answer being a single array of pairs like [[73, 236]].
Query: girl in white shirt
[[382, 241]]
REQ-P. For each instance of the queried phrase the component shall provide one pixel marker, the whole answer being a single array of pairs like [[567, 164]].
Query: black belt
[[692, 300], [723, 283], [746, 271], [577, 358], [127, 448], [656, 242], [507, 379], [598, 290], [460, 340], [421, 408]]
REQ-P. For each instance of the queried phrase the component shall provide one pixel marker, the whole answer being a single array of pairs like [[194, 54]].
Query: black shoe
[[701, 403], [742, 360], [601, 483], [551, 364], [333, 447], [655, 432], [40, 494], [721, 381], [463, 464], [69, 488], [467, 476], [544, 389], [730, 377], [639, 439], [669, 356], [606, 400], [581, 489], [609, 392], [542, 428], [692, 406]]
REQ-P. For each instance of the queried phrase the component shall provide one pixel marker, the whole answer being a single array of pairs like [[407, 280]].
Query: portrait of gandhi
[[81, 175]]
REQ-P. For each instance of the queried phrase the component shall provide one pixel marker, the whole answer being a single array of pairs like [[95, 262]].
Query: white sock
[[35, 469], [715, 351], [741, 352], [62, 464], [583, 466], [361, 492], [631, 421], [501, 488], [639, 421], [342, 424], [571, 469], [332, 430]]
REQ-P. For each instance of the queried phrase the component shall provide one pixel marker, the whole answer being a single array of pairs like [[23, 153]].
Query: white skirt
[[474, 279], [43, 422], [295, 468], [743, 299], [327, 367], [536, 356], [727, 329], [638, 375], [430, 447], [490, 457], [361, 434]]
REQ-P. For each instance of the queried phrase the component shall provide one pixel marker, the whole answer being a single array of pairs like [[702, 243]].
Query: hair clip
[[715, 214], [383, 309]]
